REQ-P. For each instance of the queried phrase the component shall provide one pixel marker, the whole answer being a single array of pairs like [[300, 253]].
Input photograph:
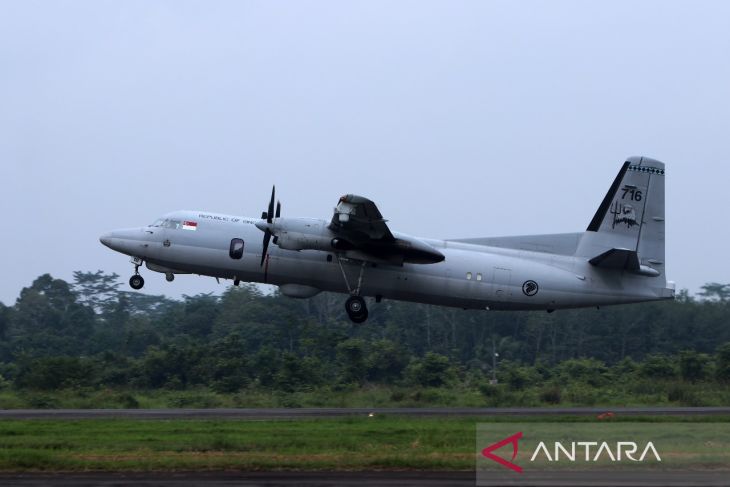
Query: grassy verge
[[364, 443], [644, 393]]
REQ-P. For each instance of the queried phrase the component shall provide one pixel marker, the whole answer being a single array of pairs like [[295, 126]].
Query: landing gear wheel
[[356, 309], [170, 277], [136, 281]]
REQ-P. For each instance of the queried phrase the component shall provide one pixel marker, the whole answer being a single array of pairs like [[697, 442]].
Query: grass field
[[364, 443]]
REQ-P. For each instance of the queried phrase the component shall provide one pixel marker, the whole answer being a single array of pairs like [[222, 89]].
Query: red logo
[[487, 452]]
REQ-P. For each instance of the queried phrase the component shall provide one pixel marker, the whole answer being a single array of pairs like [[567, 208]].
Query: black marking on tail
[[606, 203]]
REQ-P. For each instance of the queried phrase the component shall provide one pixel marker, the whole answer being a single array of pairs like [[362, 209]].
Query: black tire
[[354, 305], [136, 282], [361, 318], [356, 309], [169, 277]]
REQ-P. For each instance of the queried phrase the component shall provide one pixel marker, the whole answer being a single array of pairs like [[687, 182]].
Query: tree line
[[91, 333]]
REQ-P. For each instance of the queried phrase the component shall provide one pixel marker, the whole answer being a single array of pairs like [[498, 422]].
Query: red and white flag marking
[[190, 225]]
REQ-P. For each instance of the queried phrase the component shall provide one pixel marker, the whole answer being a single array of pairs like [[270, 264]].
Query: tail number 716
[[632, 193]]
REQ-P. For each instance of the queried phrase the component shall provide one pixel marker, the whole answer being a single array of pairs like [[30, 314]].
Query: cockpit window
[[174, 224], [167, 223]]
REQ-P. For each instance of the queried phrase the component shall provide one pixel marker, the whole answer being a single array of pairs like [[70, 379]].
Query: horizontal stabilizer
[[623, 259], [617, 259]]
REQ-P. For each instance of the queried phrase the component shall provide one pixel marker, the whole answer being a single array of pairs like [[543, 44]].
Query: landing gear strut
[[355, 305], [136, 281]]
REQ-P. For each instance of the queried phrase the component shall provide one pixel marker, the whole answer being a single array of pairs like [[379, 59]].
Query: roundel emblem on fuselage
[[530, 288]]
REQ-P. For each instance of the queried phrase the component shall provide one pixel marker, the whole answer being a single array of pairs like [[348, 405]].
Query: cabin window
[[236, 250], [468, 275], [479, 276]]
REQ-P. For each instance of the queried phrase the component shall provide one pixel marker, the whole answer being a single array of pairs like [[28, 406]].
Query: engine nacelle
[[303, 241], [309, 234]]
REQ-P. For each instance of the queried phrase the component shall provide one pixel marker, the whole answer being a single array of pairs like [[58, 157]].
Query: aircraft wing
[[362, 233]]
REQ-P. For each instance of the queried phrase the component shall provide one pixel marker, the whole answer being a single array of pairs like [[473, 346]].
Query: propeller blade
[[268, 216], [270, 213], [278, 209], [267, 237]]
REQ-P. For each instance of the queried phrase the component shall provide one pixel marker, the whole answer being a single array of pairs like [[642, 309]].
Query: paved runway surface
[[300, 413], [362, 479]]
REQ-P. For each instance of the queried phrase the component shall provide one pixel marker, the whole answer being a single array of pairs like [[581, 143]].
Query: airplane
[[618, 259]]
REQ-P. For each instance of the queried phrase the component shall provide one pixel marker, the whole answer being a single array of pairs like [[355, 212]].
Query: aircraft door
[[501, 281]]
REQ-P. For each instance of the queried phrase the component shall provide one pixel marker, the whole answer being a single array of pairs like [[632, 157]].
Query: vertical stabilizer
[[629, 223]]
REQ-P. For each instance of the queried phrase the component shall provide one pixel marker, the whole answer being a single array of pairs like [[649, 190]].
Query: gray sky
[[459, 119]]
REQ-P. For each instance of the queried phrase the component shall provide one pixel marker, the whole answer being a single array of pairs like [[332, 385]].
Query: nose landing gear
[[136, 282]]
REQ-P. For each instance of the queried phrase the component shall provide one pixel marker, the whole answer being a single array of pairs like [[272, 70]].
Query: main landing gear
[[356, 309], [355, 305]]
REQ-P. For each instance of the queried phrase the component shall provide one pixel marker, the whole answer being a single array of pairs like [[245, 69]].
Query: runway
[[362, 479], [304, 413]]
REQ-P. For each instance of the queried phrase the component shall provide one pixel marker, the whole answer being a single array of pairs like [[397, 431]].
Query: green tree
[[722, 363], [199, 315], [351, 360], [49, 373], [98, 290], [4, 319], [715, 291], [386, 361], [47, 320], [658, 367], [693, 365], [433, 370], [587, 370]]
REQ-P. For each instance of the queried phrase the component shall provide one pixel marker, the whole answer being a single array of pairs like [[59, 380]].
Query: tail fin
[[627, 231]]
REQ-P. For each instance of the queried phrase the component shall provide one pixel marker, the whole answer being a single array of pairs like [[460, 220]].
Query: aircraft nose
[[106, 239]]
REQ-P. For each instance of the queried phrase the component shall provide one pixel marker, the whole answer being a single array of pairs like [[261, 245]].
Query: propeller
[[269, 216], [276, 217]]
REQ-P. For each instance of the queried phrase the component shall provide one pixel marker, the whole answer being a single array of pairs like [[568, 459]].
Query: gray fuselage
[[473, 276]]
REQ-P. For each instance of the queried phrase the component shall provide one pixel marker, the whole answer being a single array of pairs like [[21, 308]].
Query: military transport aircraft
[[618, 259]]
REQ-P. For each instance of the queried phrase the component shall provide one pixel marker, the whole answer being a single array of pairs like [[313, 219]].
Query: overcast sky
[[459, 119]]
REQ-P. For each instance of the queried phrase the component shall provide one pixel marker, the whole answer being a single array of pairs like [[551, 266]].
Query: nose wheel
[[136, 282]]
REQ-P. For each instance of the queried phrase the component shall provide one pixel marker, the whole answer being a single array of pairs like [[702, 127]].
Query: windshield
[[174, 224], [167, 223]]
